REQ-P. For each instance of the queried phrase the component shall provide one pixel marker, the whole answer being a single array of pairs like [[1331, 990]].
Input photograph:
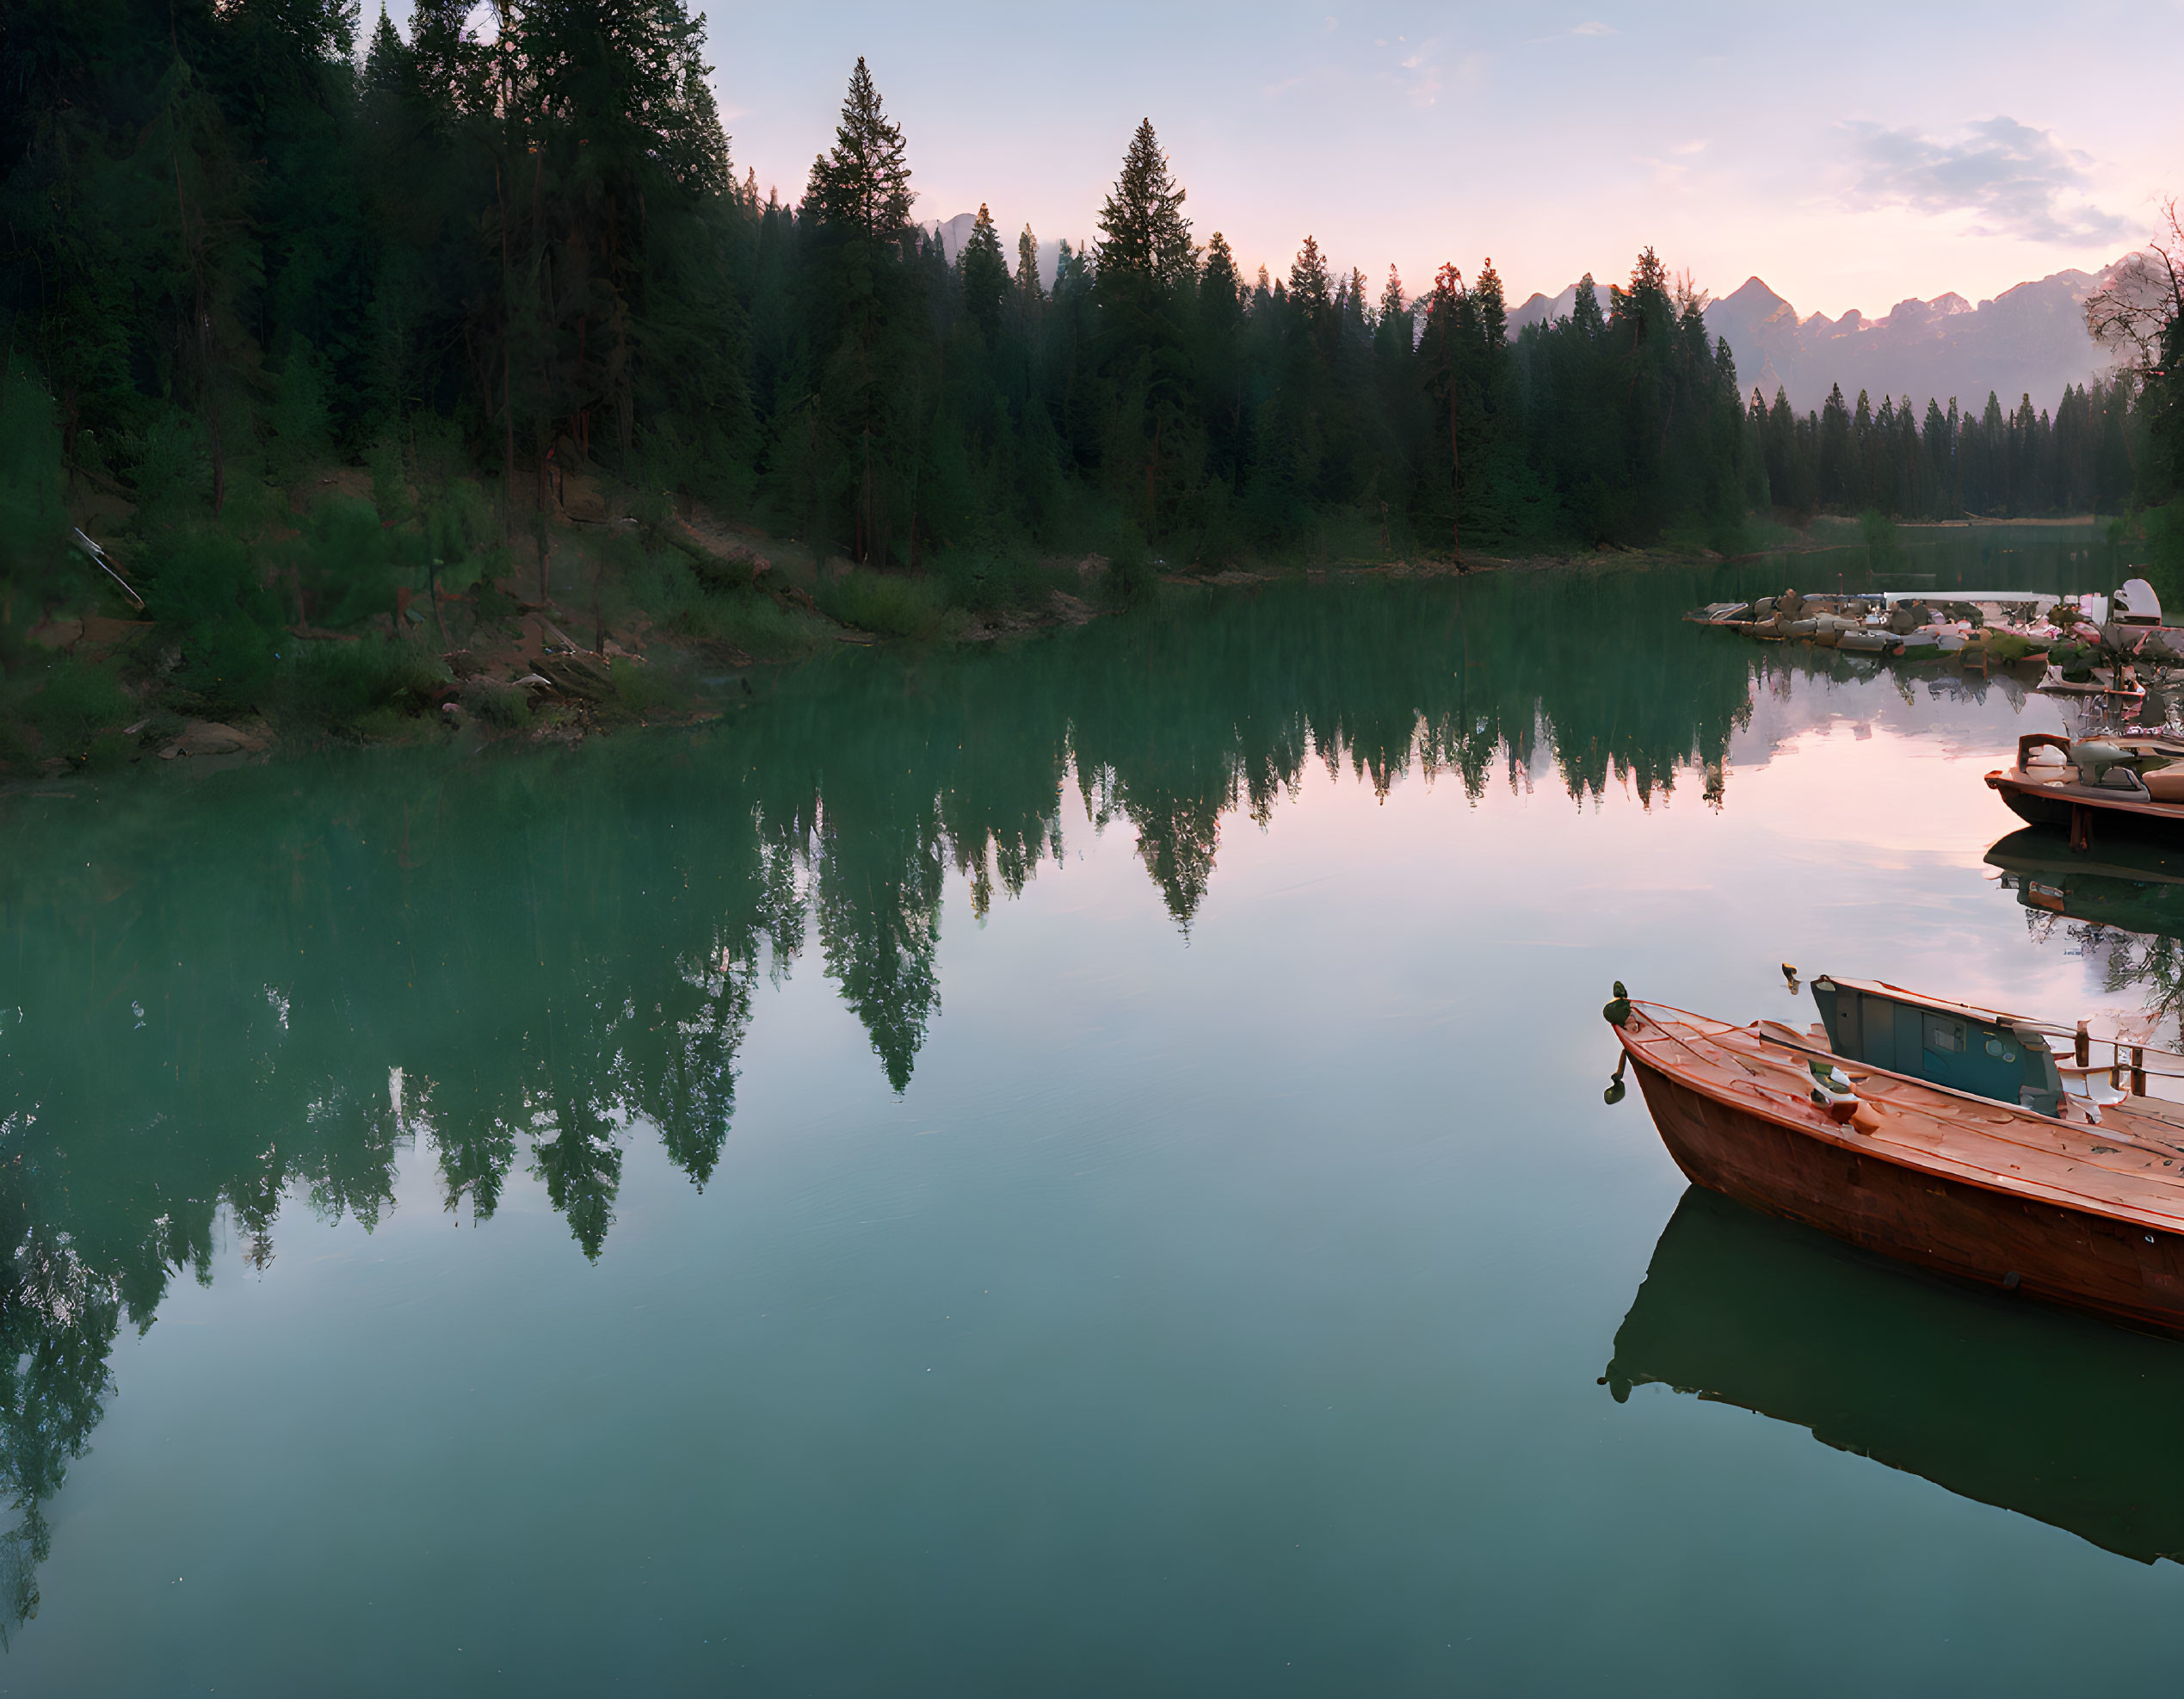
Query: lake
[[1077, 1167]]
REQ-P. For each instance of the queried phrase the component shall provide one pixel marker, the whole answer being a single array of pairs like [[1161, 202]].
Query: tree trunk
[[1152, 469], [508, 411], [1455, 483], [432, 589]]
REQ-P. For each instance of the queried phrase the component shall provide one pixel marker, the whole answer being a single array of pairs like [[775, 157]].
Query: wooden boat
[[2072, 1190], [1989, 1398], [2129, 779], [2098, 682]]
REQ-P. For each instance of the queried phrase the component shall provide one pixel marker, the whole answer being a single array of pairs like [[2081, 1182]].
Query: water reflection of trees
[[2153, 966], [2119, 908], [278, 981]]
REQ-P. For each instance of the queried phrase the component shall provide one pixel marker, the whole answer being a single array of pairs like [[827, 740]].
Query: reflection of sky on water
[[1210, 1299]]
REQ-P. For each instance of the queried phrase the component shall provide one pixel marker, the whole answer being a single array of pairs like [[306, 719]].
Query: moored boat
[[2128, 778], [1960, 1144], [2116, 682], [1979, 630]]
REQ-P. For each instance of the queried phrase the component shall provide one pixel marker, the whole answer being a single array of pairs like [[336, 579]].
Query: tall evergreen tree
[[1838, 453], [985, 275], [862, 182], [1143, 233], [1030, 295], [870, 390]]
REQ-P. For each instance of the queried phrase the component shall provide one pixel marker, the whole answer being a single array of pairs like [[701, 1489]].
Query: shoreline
[[516, 676]]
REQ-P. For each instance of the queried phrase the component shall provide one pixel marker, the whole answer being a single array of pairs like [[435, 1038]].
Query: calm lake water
[[1074, 1169]]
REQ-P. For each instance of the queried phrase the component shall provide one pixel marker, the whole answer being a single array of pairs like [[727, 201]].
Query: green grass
[[505, 707], [885, 603], [641, 689], [360, 690], [66, 703], [990, 581], [665, 586]]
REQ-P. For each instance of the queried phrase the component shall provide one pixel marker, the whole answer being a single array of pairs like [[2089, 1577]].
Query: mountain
[[955, 231], [1540, 309], [2030, 340]]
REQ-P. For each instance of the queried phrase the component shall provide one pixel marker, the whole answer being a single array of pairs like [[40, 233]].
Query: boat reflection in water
[[2007, 1403], [2123, 903], [2135, 885]]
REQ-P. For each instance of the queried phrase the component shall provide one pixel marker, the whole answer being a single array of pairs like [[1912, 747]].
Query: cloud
[[1594, 28], [2015, 180]]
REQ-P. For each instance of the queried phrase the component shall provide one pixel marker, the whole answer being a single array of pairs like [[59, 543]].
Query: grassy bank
[[391, 601]]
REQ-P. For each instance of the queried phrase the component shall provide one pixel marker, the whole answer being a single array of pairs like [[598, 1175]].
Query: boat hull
[[2078, 806], [2031, 806], [2086, 1261]]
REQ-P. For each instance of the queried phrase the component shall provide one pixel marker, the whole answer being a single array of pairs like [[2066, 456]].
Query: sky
[[1850, 155]]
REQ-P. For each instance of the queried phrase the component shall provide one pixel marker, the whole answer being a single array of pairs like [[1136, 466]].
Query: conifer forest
[[319, 318]]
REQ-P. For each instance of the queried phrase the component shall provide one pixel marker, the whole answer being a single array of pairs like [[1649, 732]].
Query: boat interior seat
[[2090, 1085], [2166, 784]]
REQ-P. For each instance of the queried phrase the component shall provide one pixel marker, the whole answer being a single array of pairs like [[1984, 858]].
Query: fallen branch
[[98, 559]]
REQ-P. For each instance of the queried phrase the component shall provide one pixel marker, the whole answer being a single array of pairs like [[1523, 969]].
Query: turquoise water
[[1072, 1168]]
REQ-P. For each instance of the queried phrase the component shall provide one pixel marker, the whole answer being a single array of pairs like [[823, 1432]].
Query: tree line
[[238, 246], [242, 245], [1945, 464]]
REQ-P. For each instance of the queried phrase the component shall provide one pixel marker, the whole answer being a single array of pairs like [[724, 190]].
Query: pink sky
[[1852, 156]]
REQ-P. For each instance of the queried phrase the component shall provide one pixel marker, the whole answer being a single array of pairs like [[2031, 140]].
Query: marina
[[1946, 1134]]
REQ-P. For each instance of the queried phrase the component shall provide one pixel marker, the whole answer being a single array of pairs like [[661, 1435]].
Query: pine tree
[[1443, 354], [863, 181], [1357, 306], [1392, 303], [1219, 289], [1787, 477], [1838, 463], [1584, 314], [1144, 231], [871, 385], [1219, 366], [1486, 300], [1394, 332], [985, 275], [1308, 290], [1030, 297]]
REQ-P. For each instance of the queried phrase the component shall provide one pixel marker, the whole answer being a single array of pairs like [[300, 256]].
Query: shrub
[[881, 602], [350, 688], [1132, 576], [69, 702], [763, 628], [345, 560], [505, 706], [647, 690], [200, 586], [197, 575], [227, 665], [984, 580]]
